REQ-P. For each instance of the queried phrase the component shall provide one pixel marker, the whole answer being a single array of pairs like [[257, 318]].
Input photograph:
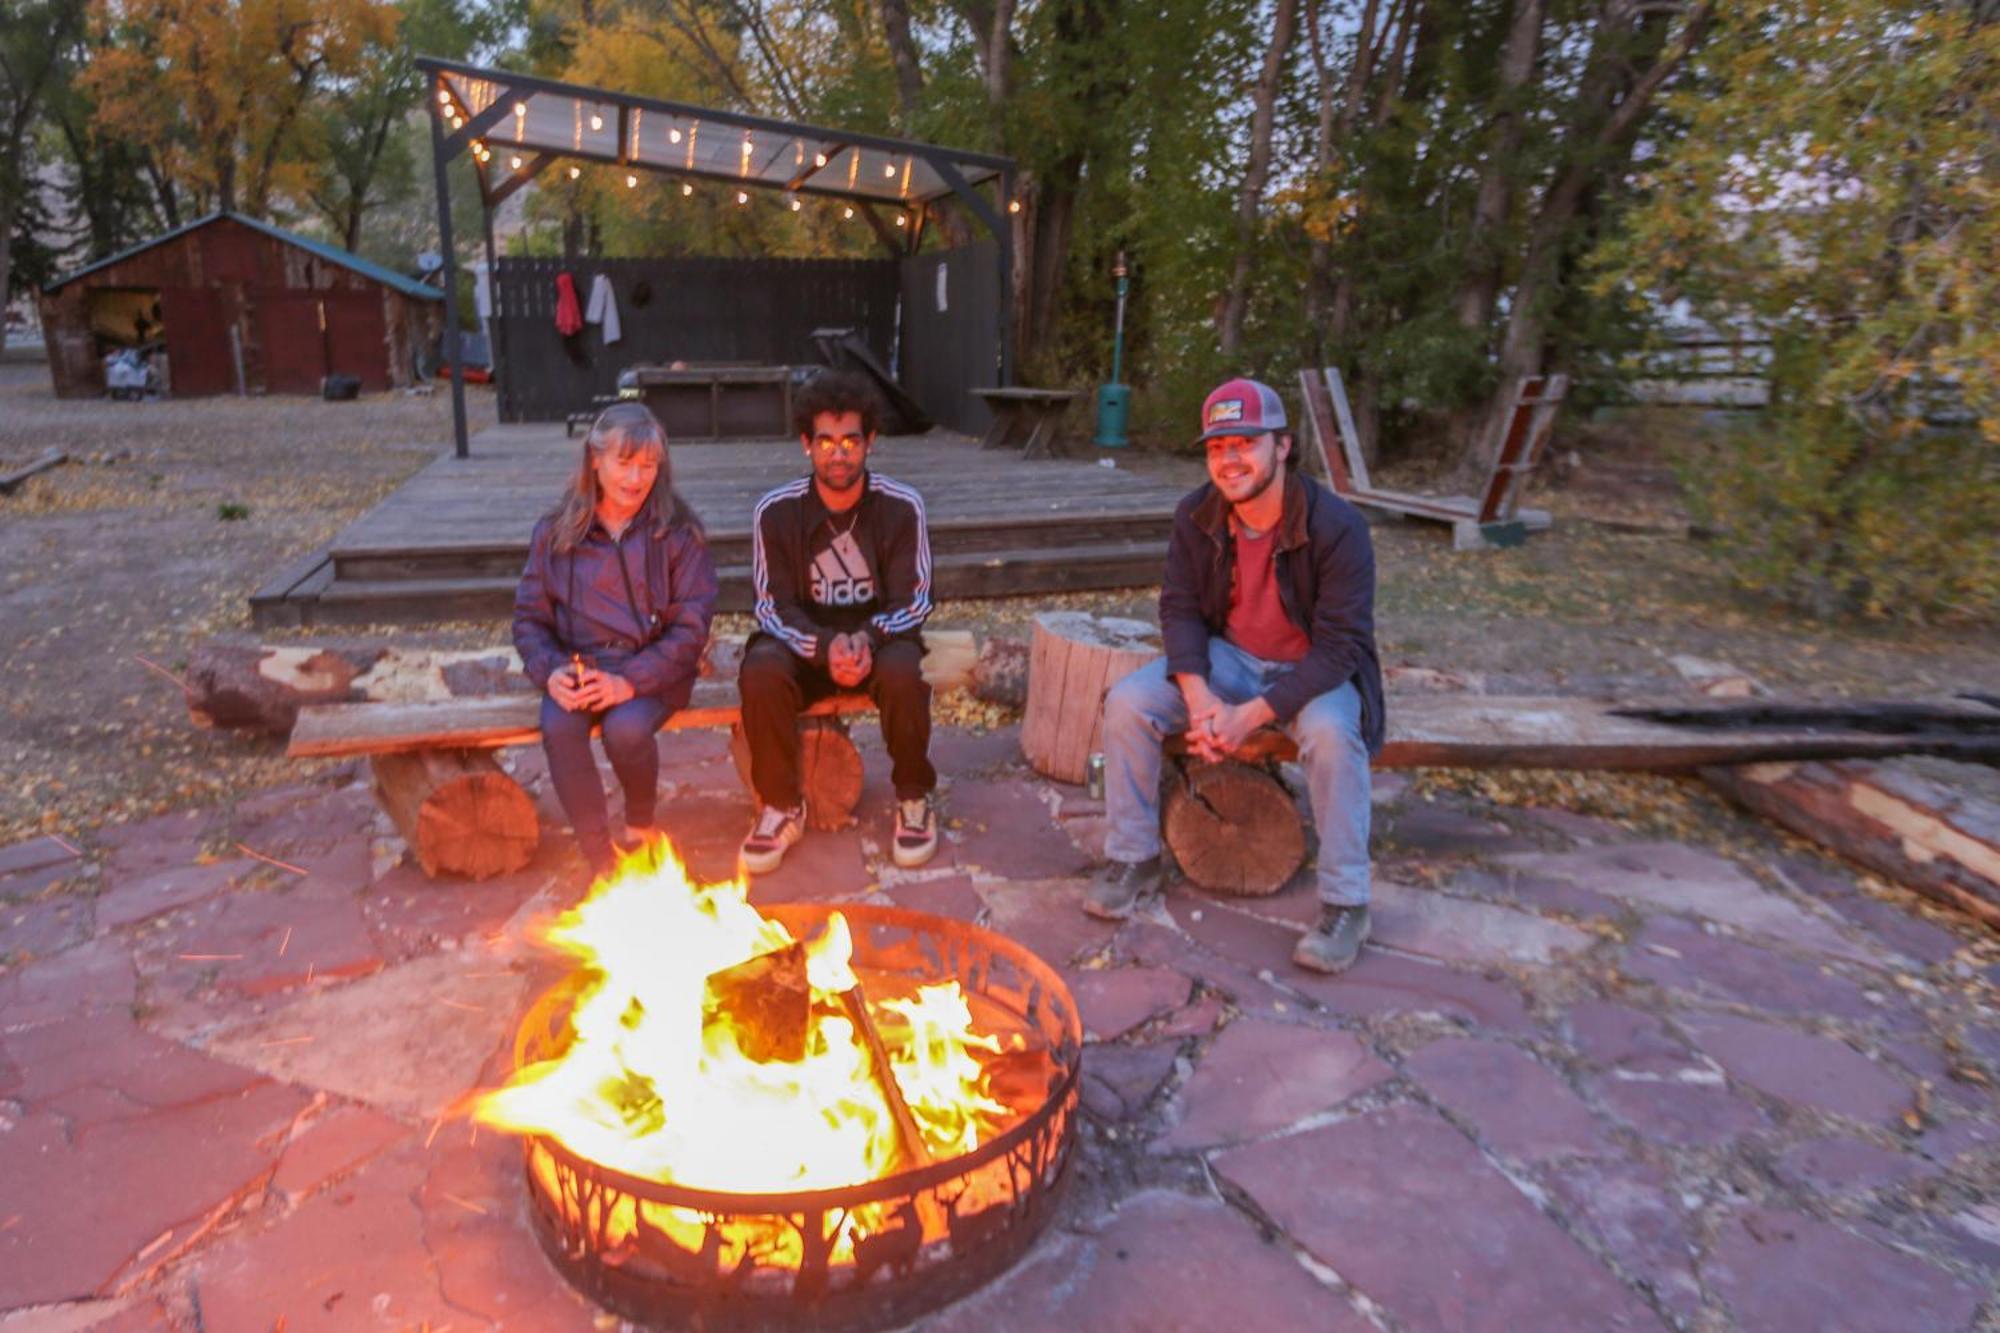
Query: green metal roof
[[331, 253]]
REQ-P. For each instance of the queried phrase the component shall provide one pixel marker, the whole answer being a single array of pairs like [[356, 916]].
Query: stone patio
[[1581, 1080]]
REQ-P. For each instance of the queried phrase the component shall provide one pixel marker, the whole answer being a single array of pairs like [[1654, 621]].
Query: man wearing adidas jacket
[[841, 568]]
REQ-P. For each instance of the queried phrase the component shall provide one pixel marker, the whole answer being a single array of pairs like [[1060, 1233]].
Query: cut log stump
[[1073, 661], [1233, 827], [829, 769], [460, 813]]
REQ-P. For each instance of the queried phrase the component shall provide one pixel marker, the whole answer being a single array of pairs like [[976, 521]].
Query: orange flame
[[650, 1088]]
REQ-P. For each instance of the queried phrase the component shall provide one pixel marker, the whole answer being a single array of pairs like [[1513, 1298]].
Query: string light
[[673, 136], [631, 181], [902, 220], [1013, 205], [889, 169], [520, 110], [515, 162], [742, 196], [847, 213], [819, 159], [574, 172], [456, 122], [444, 97], [796, 205], [687, 188], [596, 121]]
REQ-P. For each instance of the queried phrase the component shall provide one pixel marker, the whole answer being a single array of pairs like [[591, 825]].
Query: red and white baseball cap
[[1241, 407]]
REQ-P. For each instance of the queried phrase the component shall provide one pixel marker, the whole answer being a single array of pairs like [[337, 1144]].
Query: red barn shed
[[241, 306]]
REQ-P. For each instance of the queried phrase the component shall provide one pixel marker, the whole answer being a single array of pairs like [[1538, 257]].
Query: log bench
[[462, 814]]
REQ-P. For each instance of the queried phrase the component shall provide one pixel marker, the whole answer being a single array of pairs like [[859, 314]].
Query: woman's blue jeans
[[628, 731]]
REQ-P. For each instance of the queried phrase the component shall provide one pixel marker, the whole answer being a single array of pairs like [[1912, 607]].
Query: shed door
[[293, 341], [197, 341], [357, 337]]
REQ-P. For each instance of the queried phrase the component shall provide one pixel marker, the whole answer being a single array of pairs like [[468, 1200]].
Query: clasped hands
[[1217, 729], [583, 688], [849, 658]]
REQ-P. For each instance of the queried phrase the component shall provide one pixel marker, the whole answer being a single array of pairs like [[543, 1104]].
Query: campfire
[[736, 1116]]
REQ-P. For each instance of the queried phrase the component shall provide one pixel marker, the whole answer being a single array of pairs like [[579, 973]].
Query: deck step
[[1103, 564], [504, 559]]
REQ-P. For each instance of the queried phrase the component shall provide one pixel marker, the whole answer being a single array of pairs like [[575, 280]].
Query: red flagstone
[[255, 943], [1046, 916], [1119, 1080], [33, 928], [1259, 1077], [1116, 1000], [1665, 1109], [34, 854], [92, 1198], [1383, 984], [1616, 1035], [954, 896], [97, 975], [1634, 1212], [1846, 1165], [487, 1259], [140, 899], [1812, 1071], [1163, 1261], [1403, 1207], [102, 1066], [1783, 1272], [341, 1139], [1519, 1107]]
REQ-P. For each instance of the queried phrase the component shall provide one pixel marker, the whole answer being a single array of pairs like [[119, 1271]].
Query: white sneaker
[[916, 837], [771, 837]]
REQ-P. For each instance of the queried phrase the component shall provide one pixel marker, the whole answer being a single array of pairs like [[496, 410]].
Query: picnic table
[[1029, 415], [717, 401]]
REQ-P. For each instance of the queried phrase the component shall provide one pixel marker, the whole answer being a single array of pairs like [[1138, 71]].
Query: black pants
[[777, 685]]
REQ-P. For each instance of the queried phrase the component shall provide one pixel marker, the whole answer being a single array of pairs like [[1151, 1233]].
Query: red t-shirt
[[1257, 621]]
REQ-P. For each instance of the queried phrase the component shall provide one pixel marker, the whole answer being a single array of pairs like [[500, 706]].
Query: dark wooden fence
[[951, 332], [750, 310]]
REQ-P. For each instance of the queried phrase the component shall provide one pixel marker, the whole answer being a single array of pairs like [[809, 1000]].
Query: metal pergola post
[[461, 445]]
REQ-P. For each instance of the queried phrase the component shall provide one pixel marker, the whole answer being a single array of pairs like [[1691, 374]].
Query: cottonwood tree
[[33, 41]]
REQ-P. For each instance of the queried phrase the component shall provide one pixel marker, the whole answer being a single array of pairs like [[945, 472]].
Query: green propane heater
[[1114, 400]]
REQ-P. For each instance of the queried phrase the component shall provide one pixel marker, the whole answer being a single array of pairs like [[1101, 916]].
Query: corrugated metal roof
[[331, 253]]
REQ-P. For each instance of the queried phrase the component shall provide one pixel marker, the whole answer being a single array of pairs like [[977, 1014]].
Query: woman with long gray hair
[[610, 619]]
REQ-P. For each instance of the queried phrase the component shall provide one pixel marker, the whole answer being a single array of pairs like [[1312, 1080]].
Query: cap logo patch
[[1229, 409]]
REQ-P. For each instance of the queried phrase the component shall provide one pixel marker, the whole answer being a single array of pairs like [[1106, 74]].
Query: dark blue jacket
[[1326, 581], [638, 607]]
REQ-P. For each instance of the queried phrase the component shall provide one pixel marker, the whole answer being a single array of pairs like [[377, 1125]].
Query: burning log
[[855, 1001], [458, 811], [766, 1004]]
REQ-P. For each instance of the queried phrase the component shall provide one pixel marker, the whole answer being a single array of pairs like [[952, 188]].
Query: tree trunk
[[1249, 203], [829, 770], [459, 813], [903, 55], [1073, 660], [1480, 287]]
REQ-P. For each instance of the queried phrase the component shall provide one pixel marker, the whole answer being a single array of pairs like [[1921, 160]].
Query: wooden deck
[[450, 542]]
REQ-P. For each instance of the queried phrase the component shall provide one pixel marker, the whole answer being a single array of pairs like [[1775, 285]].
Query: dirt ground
[[169, 515]]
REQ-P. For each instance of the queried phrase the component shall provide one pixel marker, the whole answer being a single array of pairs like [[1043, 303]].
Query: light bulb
[[902, 220], [847, 213], [444, 98], [631, 182], [673, 136], [515, 162], [1013, 205], [746, 145], [796, 205], [456, 122], [596, 121], [888, 168], [686, 189], [574, 172], [819, 159], [742, 197], [520, 109]]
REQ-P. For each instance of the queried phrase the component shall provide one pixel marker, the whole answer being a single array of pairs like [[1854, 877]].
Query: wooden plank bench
[[1029, 417]]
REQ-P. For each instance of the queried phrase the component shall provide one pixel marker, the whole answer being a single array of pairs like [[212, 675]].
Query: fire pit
[[805, 1117]]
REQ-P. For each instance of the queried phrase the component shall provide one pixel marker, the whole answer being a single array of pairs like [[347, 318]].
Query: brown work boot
[[1119, 886], [1334, 944]]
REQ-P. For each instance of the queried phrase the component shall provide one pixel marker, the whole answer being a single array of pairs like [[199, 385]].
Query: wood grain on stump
[[829, 770], [1233, 828], [460, 813], [1073, 661]]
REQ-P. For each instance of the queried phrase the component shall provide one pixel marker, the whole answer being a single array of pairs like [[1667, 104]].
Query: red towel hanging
[[569, 315]]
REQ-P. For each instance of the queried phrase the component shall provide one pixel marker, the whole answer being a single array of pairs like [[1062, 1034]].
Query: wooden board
[[1073, 661]]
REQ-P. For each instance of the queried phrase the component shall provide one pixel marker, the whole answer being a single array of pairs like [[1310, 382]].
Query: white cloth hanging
[[603, 309], [482, 290]]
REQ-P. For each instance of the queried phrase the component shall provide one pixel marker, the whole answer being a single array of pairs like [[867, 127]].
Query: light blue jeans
[[1146, 707]]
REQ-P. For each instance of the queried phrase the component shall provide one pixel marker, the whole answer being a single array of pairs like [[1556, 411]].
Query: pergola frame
[[481, 112]]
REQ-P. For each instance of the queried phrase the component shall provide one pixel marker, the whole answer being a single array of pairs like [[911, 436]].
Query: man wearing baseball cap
[[1268, 612]]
